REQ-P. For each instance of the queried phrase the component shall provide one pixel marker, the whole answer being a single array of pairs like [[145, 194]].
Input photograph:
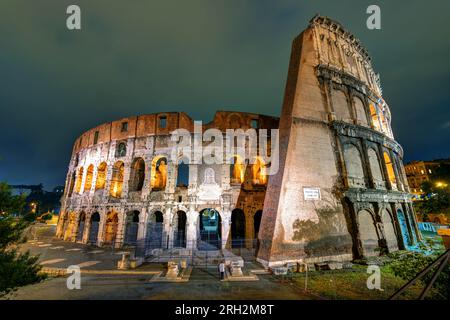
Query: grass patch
[[351, 284]]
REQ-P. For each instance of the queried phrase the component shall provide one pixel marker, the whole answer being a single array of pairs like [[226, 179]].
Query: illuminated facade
[[123, 188], [341, 192]]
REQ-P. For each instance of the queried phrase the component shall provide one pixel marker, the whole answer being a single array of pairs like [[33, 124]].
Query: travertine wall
[[145, 142], [335, 137]]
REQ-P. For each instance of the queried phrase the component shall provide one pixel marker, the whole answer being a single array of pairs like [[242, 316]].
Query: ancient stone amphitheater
[[340, 192]]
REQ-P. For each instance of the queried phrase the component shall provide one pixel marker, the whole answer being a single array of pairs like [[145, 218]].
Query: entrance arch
[[93, 231], [389, 230], [155, 227], [368, 233], [81, 223], [180, 231], [131, 228], [112, 221], [209, 230], [403, 228], [237, 228]]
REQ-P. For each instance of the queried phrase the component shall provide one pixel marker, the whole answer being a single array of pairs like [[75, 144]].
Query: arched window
[[71, 184], [117, 180], [374, 116], [89, 177], [361, 116], [159, 173], [259, 172], [368, 233], [237, 171], [79, 180], [390, 170], [354, 166], [121, 149], [340, 105], [375, 168], [101, 176], [183, 173], [137, 175]]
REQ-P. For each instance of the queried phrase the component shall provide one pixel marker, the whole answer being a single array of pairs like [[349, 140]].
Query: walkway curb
[[62, 272]]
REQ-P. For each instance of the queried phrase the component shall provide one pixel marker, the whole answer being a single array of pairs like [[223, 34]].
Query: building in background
[[418, 172]]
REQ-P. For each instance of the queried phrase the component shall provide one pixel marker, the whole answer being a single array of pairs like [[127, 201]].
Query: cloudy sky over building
[[138, 57]]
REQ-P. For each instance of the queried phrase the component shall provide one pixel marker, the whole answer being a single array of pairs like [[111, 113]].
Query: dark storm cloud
[[137, 57]]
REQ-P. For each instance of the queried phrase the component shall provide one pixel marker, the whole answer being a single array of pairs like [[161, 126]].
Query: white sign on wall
[[311, 194]]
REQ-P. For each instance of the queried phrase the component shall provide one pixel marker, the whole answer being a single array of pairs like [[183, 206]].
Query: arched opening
[[389, 231], [131, 228], [209, 231], [354, 166], [159, 173], [117, 180], [81, 223], [79, 180], [375, 168], [237, 228], [183, 174], [403, 228], [155, 227], [256, 224], [259, 175], [368, 233], [180, 232], [71, 184], [360, 112], [89, 177], [121, 149], [374, 115], [340, 105], [237, 170], [137, 175], [93, 231], [390, 170], [101, 176], [112, 222]]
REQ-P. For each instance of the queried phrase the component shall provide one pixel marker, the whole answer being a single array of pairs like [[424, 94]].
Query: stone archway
[[237, 228], [155, 230], [389, 230], [111, 226], [403, 228], [94, 227], [180, 231], [209, 230], [368, 233], [131, 228], [81, 224]]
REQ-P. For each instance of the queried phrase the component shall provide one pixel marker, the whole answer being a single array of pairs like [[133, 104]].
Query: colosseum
[[340, 192]]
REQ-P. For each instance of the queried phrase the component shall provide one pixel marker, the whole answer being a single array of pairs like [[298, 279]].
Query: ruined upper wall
[[340, 49], [146, 125]]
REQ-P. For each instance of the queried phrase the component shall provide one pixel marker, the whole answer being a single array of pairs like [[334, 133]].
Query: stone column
[[120, 233], [166, 230], [126, 179], [101, 227], [87, 228], [109, 172], [226, 223], [191, 229], [249, 230]]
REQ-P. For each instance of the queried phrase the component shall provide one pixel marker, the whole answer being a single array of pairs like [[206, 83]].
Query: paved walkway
[[203, 283]]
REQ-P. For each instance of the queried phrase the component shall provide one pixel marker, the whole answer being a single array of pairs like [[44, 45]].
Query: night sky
[[138, 57]]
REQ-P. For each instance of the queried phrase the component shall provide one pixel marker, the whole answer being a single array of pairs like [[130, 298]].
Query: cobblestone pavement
[[203, 283]]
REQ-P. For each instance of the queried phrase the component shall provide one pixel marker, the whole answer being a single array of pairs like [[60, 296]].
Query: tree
[[16, 269]]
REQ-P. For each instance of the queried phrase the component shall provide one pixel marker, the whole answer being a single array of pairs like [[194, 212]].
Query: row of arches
[[393, 233], [357, 174], [88, 229], [377, 115], [158, 175]]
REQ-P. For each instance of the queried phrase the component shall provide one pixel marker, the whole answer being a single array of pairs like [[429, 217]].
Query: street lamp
[[441, 184]]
